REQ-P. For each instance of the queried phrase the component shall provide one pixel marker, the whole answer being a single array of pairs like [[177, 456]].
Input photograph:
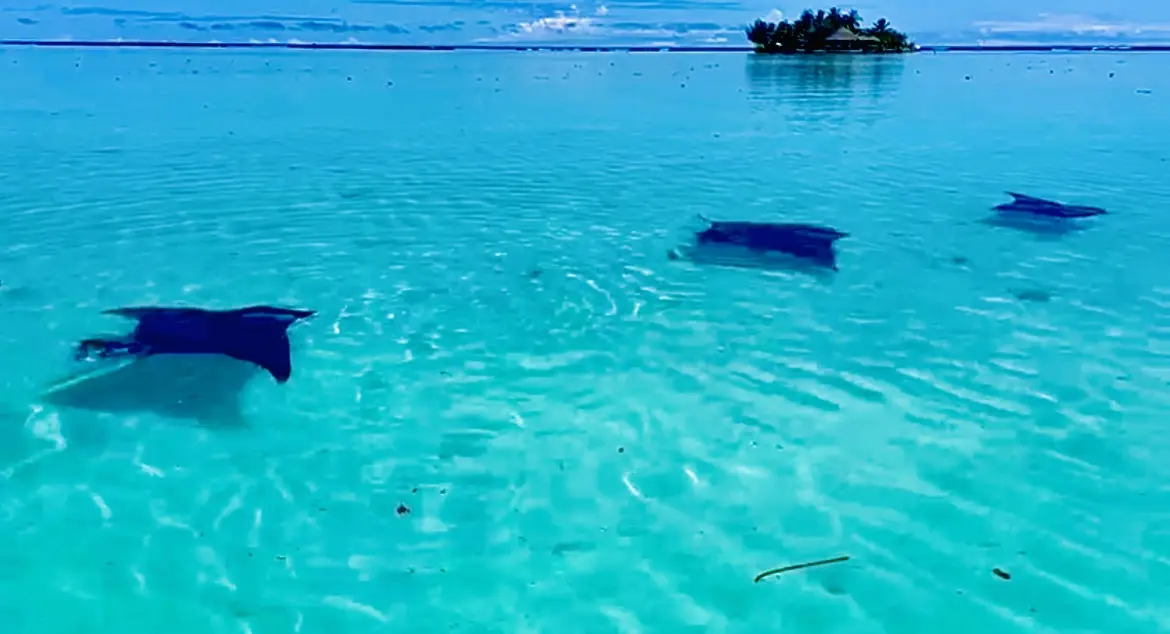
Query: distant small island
[[827, 31]]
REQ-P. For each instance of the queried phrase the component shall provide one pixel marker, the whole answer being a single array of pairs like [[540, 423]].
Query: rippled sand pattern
[[515, 414]]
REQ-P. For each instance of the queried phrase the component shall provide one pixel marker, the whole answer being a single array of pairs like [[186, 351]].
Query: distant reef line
[[580, 48]]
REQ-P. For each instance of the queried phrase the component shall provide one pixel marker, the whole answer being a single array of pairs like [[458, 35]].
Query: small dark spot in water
[[1001, 574], [1144, 91], [402, 509], [117, 79], [414, 490], [1032, 295], [281, 557], [348, 78], [682, 85], [621, 450], [1111, 74], [389, 83], [535, 273], [968, 78], [959, 260], [442, 491], [444, 373], [442, 570], [1052, 72], [249, 554]]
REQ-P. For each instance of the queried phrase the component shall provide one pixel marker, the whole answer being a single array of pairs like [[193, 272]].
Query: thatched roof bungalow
[[843, 39]]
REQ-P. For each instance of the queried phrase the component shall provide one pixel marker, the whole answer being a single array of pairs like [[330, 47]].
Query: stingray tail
[[108, 348]]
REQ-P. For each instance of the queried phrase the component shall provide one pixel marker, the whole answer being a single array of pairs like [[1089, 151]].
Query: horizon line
[[580, 48]]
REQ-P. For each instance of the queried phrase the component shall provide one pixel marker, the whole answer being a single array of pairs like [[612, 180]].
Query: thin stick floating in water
[[776, 571]]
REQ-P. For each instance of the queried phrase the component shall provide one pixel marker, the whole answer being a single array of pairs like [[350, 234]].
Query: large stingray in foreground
[[256, 334]]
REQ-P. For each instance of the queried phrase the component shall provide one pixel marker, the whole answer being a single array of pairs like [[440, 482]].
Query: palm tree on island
[[832, 30]]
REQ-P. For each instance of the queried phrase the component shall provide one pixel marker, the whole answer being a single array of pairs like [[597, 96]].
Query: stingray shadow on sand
[[736, 257], [205, 389], [1039, 227]]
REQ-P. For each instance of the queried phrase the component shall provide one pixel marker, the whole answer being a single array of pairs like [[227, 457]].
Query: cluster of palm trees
[[810, 32]]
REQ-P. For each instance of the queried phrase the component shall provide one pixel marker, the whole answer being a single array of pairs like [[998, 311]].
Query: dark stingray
[[255, 334], [1031, 205], [1041, 217], [203, 388], [798, 246]]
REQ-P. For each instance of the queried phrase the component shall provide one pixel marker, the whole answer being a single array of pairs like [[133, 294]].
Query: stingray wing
[[269, 350], [1024, 198]]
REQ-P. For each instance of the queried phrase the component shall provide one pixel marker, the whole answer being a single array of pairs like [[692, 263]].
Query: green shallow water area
[[513, 413]]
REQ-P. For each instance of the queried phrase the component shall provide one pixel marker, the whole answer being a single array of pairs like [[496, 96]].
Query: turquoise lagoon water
[[589, 437]]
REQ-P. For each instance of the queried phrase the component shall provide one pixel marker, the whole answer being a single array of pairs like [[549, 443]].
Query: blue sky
[[587, 21]]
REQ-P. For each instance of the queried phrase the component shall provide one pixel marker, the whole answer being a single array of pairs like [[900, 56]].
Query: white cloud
[[560, 22], [774, 16], [598, 25]]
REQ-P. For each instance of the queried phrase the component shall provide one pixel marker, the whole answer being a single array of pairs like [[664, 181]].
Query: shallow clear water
[[589, 437]]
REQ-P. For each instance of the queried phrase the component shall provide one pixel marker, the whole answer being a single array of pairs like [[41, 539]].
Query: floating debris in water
[[1002, 574], [776, 571]]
